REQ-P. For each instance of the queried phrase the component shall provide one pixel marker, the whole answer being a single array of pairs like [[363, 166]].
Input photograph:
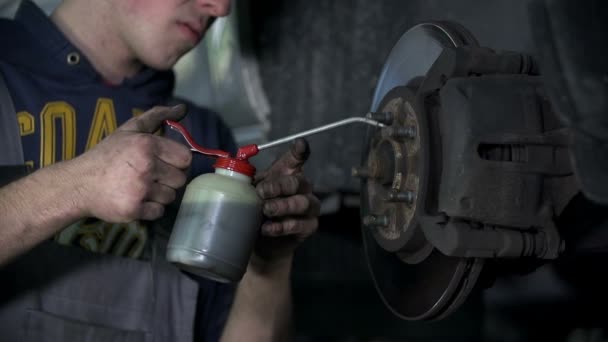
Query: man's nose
[[215, 8]]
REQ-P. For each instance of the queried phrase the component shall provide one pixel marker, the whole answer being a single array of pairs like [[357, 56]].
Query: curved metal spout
[[320, 129]]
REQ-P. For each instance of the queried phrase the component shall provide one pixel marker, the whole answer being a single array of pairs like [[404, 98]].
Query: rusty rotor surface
[[415, 281]]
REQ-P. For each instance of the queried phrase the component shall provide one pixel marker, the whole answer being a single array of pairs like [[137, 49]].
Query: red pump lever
[[193, 145]]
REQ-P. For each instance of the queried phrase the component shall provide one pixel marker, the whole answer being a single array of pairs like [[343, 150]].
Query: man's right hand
[[132, 174]]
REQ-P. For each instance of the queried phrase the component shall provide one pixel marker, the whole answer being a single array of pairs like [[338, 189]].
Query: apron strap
[[10, 139]]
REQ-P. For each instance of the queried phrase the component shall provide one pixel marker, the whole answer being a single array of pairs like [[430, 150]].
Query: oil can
[[218, 223]]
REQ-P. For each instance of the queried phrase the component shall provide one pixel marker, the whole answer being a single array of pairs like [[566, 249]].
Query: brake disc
[[415, 281]]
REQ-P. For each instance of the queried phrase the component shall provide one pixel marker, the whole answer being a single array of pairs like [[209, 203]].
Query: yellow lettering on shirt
[[52, 115], [104, 122], [27, 126], [27, 123], [120, 239]]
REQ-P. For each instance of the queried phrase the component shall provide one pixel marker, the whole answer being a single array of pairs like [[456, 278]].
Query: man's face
[[159, 32]]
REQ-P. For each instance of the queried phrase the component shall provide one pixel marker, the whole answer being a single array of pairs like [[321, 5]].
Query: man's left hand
[[290, 208]]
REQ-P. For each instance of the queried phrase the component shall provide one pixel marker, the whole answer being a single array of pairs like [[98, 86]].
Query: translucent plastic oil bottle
[[218, 223]]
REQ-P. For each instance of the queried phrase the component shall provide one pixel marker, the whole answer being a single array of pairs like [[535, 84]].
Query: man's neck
[[88, 25]]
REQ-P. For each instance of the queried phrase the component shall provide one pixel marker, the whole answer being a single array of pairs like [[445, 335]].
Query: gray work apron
[[59, 293]]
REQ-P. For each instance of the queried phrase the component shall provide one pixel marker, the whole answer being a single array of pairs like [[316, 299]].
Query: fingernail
[[267, 228], [272, 229], [300, 147], [269, 209], [178, 107]]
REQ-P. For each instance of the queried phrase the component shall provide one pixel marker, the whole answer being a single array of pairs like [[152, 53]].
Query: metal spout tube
[[319, 130]]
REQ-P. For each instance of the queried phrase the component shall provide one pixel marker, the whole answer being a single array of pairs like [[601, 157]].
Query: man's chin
[[165, 63]]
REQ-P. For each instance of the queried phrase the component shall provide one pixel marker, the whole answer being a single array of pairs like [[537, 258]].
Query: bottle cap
[[236, 165]]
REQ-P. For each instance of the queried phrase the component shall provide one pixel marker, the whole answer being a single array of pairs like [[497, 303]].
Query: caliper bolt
[[361, 172], [401, 196], [375, 220], [408, 132]]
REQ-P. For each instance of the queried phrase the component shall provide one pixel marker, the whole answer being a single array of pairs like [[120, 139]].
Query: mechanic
[[83, 237]]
